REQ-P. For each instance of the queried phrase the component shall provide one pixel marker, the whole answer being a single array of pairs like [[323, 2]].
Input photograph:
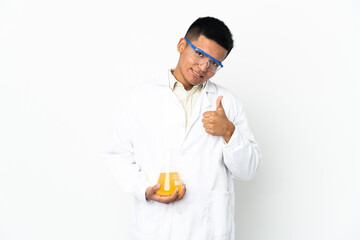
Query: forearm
[[120, 158], [241, 156], [126, 174]]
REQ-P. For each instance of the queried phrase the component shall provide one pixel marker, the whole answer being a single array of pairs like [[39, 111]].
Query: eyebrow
[[198, 49]]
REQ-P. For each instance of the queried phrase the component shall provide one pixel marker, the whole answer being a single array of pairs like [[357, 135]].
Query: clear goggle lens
[[201, 59]]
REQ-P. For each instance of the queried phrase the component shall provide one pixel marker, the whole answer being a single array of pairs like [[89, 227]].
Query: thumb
[[219, 104]]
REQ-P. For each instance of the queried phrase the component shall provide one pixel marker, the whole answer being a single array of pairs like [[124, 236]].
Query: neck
[[178, 75]]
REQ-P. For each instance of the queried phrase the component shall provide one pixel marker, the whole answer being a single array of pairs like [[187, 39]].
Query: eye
[[215, 64], [199, 54]]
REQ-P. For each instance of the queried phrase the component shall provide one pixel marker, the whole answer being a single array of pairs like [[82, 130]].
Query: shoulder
[[144, 92], [143, 88]]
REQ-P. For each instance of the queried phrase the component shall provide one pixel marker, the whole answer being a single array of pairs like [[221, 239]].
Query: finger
[[207, 130], [183, 191], [210, 131], [155, 188], [206, 114], [166, 199], [209, 114], [207, 125], [205, 120], [210, 119], [219, 104], [173, 196], [150, 191]]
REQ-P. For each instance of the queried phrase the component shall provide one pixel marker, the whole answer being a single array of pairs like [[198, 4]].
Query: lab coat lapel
[[203, 104]]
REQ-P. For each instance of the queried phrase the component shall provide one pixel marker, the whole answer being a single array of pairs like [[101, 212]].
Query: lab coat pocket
[[220, 214], [145, 218]]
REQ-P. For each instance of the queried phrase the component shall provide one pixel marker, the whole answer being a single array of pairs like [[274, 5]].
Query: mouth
[[196, 74]]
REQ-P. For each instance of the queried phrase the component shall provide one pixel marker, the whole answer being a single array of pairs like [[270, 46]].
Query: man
[[205, 123]]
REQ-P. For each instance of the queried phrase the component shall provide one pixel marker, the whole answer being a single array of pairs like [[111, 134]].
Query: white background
[[65, 64]]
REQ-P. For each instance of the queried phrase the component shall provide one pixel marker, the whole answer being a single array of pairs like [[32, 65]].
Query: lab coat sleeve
[[120, 159], [241, 154]]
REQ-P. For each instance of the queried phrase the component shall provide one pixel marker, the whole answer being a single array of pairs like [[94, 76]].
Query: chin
[[194, 80]]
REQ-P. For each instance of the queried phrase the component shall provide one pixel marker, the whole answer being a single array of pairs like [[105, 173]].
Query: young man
[[206, 125]]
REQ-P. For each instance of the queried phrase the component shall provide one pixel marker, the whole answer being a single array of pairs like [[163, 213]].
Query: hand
[[216, 123], [151, 194]]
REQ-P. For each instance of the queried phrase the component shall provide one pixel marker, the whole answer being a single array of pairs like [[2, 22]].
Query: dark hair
[[213, 29]]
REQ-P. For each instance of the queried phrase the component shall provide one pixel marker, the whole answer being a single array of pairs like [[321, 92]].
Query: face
[[188, 72]]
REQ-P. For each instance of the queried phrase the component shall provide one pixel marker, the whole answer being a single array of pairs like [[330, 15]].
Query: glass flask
[[169, 177]]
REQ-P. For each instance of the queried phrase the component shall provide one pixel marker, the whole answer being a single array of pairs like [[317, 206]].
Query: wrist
[[229, 132]]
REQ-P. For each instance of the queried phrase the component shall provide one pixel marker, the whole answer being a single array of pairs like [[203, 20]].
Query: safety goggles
[[200, 57]]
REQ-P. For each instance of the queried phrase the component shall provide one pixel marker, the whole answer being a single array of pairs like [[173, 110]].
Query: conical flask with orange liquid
[[169, 177]]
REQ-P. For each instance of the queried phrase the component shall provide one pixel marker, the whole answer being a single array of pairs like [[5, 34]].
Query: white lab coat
[[150, 119]]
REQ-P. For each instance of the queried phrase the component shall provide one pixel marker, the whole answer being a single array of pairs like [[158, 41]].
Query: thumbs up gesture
[[216, 123]]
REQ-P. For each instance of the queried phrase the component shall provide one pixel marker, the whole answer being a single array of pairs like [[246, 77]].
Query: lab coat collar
[[208, 88], [173, 81]]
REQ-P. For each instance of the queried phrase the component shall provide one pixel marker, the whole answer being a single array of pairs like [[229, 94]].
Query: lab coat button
[[179, 211]]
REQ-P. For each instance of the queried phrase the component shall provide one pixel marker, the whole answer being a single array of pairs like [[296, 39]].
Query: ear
[[181, 45]]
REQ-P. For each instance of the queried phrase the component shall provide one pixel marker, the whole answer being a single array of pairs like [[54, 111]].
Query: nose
[[204, 66]]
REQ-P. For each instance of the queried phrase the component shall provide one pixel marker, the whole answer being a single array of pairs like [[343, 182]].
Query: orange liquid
[[169, 182]]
